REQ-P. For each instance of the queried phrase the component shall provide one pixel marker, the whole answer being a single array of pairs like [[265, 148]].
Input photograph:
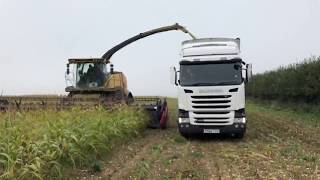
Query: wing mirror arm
[[173, 76], [177, 80], [248, 72]]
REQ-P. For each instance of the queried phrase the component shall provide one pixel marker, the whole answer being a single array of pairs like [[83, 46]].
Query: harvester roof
[[86, 60]]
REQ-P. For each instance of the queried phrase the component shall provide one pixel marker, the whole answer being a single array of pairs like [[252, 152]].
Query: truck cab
[[211, 87]]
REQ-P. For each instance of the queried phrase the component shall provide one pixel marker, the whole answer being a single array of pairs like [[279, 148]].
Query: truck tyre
[[185, 135], [239, 135]]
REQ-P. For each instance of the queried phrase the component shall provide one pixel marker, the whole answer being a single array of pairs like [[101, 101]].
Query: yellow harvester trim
[[117, 81]]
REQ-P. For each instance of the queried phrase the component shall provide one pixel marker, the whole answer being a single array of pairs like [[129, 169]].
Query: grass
[[286, 136], [196, 154], [277, 146], [298, 82], [281, 143], [45, 144], [308, 115]]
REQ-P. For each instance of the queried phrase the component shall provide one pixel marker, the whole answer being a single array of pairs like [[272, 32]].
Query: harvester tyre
[[130, 99], [118, 95], [4, 104]]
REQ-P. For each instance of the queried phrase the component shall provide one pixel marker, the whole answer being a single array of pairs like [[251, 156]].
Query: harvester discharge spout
[[116, 48]]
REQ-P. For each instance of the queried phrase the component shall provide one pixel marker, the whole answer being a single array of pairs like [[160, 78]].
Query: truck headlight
[[239, 113], [183, 113], [184, 116], [240, 120], [184, 120]]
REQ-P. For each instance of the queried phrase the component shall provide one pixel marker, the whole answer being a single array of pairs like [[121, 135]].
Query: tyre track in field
[[128, 157], [122, 160], [273, 148], [210, 162]]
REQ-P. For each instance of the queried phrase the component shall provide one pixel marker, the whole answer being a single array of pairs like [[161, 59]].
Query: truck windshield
[[210, 74]]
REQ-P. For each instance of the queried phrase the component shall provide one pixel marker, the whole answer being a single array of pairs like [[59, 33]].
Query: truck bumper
[[187, 128]]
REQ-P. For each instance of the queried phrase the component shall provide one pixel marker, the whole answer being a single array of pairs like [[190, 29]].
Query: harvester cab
[[95, 76], [85, 73]]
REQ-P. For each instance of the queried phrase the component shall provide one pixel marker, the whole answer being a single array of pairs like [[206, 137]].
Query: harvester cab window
[[91, 74]]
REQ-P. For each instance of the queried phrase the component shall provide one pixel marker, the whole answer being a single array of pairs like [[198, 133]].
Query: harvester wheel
[[104, 98], [4, 104], [118, 95], [130, 99]]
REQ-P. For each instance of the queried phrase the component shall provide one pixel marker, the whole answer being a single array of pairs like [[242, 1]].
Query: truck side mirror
[[173, 76], [111, 68], [237, 66], [68, 69], [248, 72]]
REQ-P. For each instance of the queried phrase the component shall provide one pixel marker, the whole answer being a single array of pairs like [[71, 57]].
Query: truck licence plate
[[211, 131]]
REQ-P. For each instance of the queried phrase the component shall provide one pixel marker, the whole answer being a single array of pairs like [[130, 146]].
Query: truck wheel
[[185, 135], [239, 135]]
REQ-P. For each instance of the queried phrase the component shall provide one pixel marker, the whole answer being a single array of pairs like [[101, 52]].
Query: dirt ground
[[275, 147]]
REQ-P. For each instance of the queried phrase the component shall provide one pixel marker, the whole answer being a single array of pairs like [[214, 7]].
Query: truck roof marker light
[[188, 91], [206, 45], [233, 90]]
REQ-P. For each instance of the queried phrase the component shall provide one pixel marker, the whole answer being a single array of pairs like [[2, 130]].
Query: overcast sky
[[38, 36]]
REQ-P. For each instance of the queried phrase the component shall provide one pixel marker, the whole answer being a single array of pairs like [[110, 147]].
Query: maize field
[[298, 83], [45, 144]]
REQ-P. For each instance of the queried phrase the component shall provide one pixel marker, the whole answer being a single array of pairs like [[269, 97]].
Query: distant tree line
[[298, 82]]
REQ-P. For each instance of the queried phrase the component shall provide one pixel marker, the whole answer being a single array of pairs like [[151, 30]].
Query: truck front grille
[[211, 110], [211, 107], [211, 97], [211, 102]]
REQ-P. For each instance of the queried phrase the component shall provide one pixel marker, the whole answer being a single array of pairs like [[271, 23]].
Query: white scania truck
[[211, 87]]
